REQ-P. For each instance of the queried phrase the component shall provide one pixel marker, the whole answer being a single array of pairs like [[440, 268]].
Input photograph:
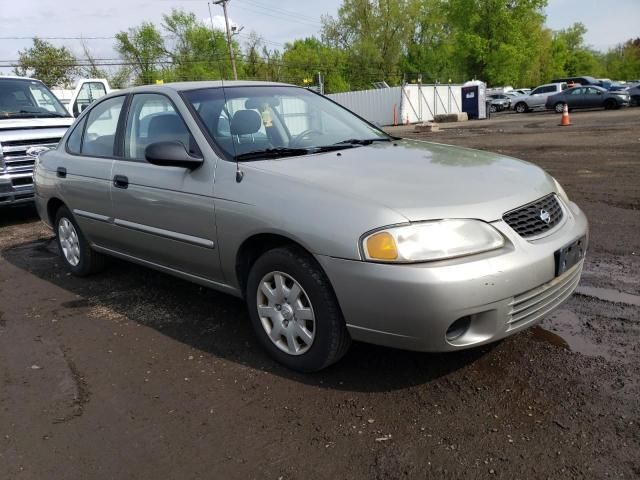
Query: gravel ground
[[135, 374]]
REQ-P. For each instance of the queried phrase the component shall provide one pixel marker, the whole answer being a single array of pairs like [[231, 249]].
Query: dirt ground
[[135, 374]]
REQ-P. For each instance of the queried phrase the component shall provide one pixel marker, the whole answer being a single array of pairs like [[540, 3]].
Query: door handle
[[61, 172], [120, 181]]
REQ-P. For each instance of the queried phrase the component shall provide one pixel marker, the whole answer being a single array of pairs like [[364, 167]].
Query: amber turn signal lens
[[382, 246]]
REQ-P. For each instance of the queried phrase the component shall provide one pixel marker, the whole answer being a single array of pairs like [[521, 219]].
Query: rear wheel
[[294, 311], [521, 107], [559, 107], [76, 251]]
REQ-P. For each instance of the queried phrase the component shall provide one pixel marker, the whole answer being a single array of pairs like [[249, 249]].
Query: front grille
[[15, 158], [535, 304], [535, 218]]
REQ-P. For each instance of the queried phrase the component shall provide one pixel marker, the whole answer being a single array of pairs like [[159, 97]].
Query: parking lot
[[135, 374]]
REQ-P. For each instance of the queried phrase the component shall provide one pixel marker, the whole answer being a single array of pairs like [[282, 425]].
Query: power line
[[283, 11]]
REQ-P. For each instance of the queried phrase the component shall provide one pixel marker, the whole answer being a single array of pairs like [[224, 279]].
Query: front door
[[164, 215]]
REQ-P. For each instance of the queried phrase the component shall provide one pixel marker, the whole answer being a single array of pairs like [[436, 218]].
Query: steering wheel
[[297, 140]]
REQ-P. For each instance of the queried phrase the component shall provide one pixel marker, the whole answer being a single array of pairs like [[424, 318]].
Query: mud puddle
[[563, 330]]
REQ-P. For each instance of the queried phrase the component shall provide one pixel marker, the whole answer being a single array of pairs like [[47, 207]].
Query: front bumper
[[502, 292], [16, 189]]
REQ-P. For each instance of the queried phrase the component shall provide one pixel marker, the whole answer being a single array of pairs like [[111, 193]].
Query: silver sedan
[[330, 229]]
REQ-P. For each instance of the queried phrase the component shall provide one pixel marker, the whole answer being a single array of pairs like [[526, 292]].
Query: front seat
[[244, 126]]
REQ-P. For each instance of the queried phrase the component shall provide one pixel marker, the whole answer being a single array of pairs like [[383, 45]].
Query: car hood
[[28, 123], [420, 180]]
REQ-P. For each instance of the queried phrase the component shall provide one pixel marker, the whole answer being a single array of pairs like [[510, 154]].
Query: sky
[[277, 21]]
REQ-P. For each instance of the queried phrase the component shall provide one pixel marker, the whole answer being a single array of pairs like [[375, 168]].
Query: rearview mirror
[[171, 154]]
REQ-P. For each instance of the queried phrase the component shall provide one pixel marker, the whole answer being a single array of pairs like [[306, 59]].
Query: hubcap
[[286, 313], [69, 241]]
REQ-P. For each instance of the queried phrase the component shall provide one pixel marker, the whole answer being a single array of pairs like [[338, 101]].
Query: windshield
[[28, 99], [278, 121]]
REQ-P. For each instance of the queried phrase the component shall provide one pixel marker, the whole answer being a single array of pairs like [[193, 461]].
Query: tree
[[374, 34], [303, 59], [143, 49], [55, 66], [623, 61], [430, 49], [496, 41], [574, 57], [197, 52]]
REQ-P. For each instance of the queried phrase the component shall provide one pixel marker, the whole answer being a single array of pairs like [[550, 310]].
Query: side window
[[74, 142], [89, 92], [102, 124], [536, 91], [153, 118], [577, 91]]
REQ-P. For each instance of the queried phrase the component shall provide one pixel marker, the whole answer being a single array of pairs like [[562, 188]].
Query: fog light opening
[[458, 328]]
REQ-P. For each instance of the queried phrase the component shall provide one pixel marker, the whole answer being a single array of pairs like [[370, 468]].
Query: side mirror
[[171, 154]]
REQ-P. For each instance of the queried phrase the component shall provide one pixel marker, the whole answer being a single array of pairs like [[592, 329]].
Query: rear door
[[163, 215], [85, 172]]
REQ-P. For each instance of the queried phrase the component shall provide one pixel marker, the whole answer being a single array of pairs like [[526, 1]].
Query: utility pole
[[226, 21]]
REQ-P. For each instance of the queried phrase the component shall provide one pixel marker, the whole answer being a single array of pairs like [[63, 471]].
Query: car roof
[[16, 77], [186, 86]]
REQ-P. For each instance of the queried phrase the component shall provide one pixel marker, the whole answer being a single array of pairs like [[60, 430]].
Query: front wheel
[[493, 108], [76, 251], [521, 107], [294, 311], [559, 107], [611, 104]]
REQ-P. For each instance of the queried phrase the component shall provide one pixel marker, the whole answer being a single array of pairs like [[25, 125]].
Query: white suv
[[537, 98]]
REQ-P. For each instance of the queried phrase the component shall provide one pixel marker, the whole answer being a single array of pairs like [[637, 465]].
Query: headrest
[[245, 122], [165, 124]]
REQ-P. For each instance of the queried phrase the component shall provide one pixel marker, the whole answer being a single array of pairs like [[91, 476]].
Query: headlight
[[560, 191], [437, 240]]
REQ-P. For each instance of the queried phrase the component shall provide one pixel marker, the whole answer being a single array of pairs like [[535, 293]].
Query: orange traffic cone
[[565, 116]]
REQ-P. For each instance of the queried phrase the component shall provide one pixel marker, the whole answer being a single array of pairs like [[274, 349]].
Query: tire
[[521, 107], [313, 313], [635, 101], [610, 104], [559, 107], [76, 252], [493, 108]]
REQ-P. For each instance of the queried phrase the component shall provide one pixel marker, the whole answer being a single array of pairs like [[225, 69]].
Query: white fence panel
[[408, 104], [421, 103], [381, 106]]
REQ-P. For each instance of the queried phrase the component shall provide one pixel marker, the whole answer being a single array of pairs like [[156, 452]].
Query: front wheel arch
[[253, 247], [53, 205]]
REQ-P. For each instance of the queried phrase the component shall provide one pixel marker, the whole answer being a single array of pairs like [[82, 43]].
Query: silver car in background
[[537, 98], [330, 229]]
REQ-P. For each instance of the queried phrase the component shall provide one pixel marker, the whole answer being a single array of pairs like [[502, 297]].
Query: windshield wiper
[[362, 141], [53, 114], [272, 153]]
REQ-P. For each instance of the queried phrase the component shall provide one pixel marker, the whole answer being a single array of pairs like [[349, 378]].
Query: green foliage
[[55, 66], [373, 33], [143, 49], [197, 52], [623, 61], [303, 59]]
